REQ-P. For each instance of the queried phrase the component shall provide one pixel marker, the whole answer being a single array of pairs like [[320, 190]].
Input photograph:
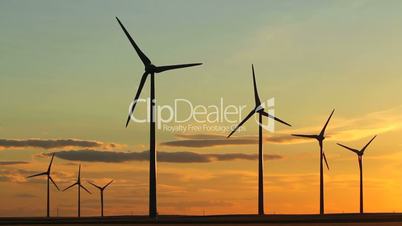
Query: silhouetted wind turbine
[[151, 70], [360, 160], [258, 109], [101, 189], [320, 137], [49, 178], [79, 186]]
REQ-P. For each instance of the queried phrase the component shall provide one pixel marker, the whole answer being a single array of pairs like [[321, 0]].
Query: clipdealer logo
[[183, 115]]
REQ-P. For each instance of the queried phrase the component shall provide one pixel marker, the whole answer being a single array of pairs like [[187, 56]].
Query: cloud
[[171, 157], [201, 143], [208, 140], [15, 175], [24, 195], [6, 163], [53, 143], [212, 140]]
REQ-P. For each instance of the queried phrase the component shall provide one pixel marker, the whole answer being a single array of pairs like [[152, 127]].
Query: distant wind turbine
[[360, 160], [258, 109], [79, 186], [150, 69], [320, 138], [49, 178], [101, 189]]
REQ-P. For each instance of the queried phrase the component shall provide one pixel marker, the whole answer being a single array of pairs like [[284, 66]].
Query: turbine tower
[[360, 160], [101, 189], [258, 109], [150, 69], [49, 179], [79, 186], [320, 138]]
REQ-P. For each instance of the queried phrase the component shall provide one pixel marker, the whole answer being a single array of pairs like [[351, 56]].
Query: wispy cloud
[[339, 129], [53, 143], [6, 163], [348, 129], [25, 195], [370, 124], [14, 175], [171, 157]]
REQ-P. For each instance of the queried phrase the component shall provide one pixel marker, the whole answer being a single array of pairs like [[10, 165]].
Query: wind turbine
[[320, 138], [101, 189], [79, 186], [258, 109], [360, 160], [150, 69], [49, 179]]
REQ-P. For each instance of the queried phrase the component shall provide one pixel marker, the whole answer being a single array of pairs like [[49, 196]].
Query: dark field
[[386, 219]]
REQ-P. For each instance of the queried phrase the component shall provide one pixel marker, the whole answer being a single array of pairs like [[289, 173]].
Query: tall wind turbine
[[150, 69], [49, 179], [79, 186], [360, 160], [320, 138], [258, 109], [101, 189]]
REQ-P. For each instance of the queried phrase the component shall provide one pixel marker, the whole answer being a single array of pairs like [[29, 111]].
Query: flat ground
[[257, 224], [372, 219]]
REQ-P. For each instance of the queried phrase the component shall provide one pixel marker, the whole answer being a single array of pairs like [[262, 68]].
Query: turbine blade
[[360, 161], [96, 186], [242, 122], [82, 186], [351, 149], [325, 159], [275, 118], [70, 186], [305, 136], [107, 184], [137, 95], [325, 126], [256, 97], [172, 67], [36, 175], [50, 164], [364, 148], [54, 183], [142, 56]]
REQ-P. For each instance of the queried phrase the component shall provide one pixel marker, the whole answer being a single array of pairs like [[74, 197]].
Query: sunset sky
[[68, 74]]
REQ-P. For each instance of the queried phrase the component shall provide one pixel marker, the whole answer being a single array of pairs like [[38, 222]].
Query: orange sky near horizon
[[224, 187]]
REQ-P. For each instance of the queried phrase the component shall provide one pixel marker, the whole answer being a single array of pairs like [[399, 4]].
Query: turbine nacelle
[[259, 109], [150, 68]]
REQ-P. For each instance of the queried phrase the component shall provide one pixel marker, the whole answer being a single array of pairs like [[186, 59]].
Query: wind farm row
[[77, 183], [150, 70]]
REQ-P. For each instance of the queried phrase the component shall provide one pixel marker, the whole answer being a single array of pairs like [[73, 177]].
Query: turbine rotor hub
[[150, 68], [259, 108]]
